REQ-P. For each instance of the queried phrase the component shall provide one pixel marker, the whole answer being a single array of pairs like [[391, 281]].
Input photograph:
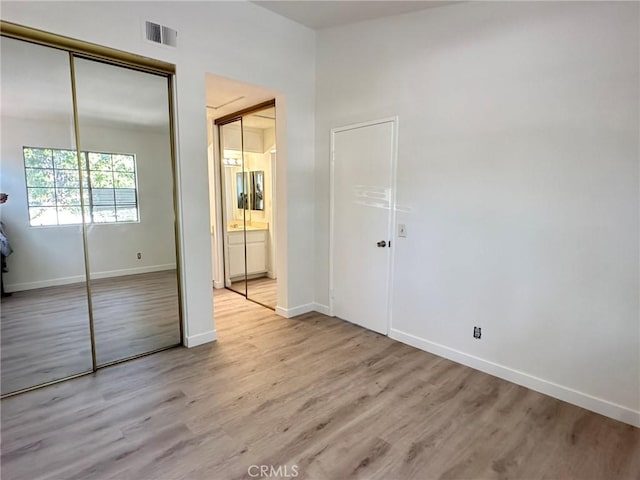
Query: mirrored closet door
[[44, 324], [248, 156], [235, 204], [123, 115], [88, 240]]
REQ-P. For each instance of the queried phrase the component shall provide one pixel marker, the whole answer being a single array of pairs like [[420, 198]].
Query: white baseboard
[[299, 310], [318, 307], [217, 284], [200, 339], [295, 311], [598, 405], [54, 282]]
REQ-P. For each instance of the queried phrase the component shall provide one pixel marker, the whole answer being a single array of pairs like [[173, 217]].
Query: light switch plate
[[402, 230]]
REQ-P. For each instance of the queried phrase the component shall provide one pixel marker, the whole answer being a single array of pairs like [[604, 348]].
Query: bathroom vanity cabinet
[[256, 252]]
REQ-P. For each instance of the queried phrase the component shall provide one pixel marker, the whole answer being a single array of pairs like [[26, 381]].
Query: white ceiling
[[261, 119], [330, 13], [36, 84], [225, 96]]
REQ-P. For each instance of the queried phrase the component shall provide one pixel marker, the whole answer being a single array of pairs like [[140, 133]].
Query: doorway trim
[[392, 207]]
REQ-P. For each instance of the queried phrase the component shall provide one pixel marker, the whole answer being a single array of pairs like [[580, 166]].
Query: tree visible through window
[[53, 187]]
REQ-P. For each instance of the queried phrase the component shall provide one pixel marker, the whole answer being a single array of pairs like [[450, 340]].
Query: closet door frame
[[90, 51]]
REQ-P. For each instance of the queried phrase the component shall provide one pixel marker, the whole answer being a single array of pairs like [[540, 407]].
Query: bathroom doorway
[[247, 161]]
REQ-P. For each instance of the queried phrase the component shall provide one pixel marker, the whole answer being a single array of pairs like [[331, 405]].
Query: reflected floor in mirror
[[45, 332], [44, 336], [262, 290]]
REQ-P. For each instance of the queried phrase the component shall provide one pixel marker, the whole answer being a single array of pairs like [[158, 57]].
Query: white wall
[[267, 51], [517, 180], [46, 256]]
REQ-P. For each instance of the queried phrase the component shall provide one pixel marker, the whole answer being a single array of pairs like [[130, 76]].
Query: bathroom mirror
[[242, 190], [257, 190]]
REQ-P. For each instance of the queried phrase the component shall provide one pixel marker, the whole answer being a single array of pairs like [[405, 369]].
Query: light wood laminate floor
[[333, 399], [45, 332], [262, 290]]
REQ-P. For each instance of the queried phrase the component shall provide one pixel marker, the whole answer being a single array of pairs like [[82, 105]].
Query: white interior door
[[363, 175]]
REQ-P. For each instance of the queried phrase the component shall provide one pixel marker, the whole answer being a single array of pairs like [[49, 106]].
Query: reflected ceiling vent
[[160, 34]]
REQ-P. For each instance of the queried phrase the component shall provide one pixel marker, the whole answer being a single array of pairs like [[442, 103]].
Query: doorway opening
[[243, 193]]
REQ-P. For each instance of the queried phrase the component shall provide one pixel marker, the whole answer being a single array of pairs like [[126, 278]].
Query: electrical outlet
[[477, 333], [139, 256], [402, 230]]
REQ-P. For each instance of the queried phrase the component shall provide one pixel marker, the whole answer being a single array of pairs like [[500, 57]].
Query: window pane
[[42, 197], [104, 214], [67, 178], [39, 178], [127, 214], [69, 215], [68, 196], [53, 182], [123, 163], [101, 179], [38, 157], [66, 159], [124, 180], [99, 161], [43, 216], [125, 196], [102, 196]]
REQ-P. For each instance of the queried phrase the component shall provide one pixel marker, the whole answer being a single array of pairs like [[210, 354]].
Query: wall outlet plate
[[402, 230]]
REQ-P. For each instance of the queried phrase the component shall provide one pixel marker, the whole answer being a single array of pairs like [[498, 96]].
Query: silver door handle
[[382, 244]]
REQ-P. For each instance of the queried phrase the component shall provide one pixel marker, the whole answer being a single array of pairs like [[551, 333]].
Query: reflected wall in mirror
[[248, 156], [123, 116], [45, 334]]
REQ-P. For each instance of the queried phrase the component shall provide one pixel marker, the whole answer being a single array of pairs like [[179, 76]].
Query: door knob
[[382, 243]]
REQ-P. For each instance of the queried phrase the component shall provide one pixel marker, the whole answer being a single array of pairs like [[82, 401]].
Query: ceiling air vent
[[169, 36], [160, 34]]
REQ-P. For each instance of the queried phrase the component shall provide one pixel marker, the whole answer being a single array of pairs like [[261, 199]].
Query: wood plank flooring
[[331, 398], [262, 290], [45, 332]]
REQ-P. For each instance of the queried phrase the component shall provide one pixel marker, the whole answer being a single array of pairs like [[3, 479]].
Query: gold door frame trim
[[91, 51], [176, 210], [232, 117], [85, 234], [86, 49]]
